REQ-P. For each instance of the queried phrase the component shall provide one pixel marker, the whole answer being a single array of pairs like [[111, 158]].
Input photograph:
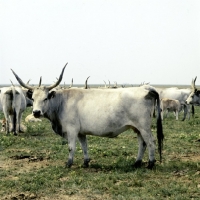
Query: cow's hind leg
[[141, 150], [7, 126], [83, 142], [7, 119], [150, 141], [14, 122]]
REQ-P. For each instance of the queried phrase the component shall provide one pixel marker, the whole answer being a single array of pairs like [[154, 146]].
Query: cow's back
[[95, 111]]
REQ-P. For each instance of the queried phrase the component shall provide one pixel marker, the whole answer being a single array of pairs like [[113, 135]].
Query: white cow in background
[[178, 94], [12, 103]]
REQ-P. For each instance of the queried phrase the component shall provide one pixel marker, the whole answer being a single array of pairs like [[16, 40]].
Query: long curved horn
[[40, 81], [21, 82], [86, 86], [193, 83], [58, 81]]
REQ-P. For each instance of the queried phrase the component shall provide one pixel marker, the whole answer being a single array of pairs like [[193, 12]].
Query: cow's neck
[[54, 113]]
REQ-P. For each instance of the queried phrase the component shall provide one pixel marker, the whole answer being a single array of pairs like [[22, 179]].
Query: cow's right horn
[[21, 82], [58, 81]]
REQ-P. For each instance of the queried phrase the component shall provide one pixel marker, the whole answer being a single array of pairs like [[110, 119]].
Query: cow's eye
[[45, 99]]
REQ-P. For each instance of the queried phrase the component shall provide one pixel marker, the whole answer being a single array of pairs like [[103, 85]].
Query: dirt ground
[[25, 164]]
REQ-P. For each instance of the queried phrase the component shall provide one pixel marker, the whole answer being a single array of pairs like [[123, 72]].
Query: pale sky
[[123, 41]]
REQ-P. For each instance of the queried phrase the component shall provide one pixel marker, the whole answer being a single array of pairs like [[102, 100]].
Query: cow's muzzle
[[37, 113]]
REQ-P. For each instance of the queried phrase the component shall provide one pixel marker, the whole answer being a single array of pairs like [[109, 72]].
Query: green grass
[[32, 165]]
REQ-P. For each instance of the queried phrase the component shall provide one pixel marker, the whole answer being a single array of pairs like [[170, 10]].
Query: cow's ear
[[198, 92], [52, 94], [29, 94]]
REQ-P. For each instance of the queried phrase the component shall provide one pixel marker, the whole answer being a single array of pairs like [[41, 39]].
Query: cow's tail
[[160, 135], [14, 121]]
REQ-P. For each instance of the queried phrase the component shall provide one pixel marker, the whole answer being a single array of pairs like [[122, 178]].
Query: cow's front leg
[[185, 112], [150, 141], [83, 142], [71, 137], [19, 125]]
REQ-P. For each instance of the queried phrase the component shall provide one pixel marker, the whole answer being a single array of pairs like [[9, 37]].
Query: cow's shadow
[[122, 166]]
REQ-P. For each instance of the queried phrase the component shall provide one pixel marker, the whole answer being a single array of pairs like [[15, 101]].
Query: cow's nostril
[[36, 113]]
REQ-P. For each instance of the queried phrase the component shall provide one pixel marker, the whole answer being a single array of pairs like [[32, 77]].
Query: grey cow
[[75, 113]]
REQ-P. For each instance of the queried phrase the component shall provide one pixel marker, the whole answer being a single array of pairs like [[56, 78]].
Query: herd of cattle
[[104, 111]]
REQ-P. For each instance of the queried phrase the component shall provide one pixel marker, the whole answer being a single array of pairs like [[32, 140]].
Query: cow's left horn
[[21, 82], [58, 81], [193, 83]]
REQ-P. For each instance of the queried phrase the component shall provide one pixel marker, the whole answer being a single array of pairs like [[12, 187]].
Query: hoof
[[151, 164], [69, 164], [86, 163], [137, 164]]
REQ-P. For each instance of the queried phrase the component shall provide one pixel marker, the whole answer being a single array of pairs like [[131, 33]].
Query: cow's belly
[[110, 132]]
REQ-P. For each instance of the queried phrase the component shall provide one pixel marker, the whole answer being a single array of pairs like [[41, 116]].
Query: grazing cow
[[178, 94], [31, 118], [75, 113], [170, 105], [194, 97], [13, 104]]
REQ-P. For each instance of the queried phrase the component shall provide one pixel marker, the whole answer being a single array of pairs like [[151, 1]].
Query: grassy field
[[32, 165]]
